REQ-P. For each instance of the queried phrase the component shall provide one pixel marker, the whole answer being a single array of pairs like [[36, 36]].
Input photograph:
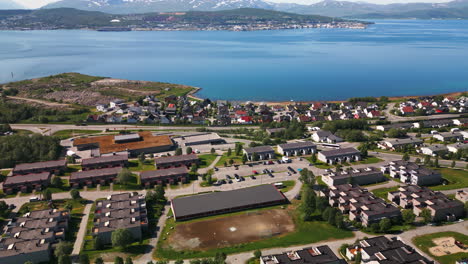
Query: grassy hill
[[85, 90]]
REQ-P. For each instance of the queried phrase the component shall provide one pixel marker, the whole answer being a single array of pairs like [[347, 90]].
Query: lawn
[[206, 160], [225, 158], [287, 186], [425, 242], [368, 160], [457, 179], [305, 233], [64, 134], [383, 192], [135, 165]]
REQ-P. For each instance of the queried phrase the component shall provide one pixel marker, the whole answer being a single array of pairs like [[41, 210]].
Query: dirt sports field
[[445, 246], [228, 231]]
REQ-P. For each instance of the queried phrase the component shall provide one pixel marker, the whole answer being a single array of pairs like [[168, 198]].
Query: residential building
[[385, 250], [339, 155], [325, 137], [455, 148], [200, 139], [361, 176], [105, 162], [126, 210], [394, 144], [386, 128], [297, 148], [91, 178], [360, 204], [54, 166], [26, 183], [412, 173], [176, 161], [448, 136], [164, 176], [433, 150], [312, 255], [263, 152], [419, 198]]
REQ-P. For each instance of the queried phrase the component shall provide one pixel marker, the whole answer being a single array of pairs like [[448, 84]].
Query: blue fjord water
[[392, 57]]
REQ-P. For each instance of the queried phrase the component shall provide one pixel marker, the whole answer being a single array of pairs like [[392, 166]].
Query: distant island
[[243, 19]]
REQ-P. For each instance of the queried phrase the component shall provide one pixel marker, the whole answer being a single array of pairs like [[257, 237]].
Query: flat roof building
[[202, 139], [362, 176], [145, 142], [412, 173], [312, 255], [214, 203]]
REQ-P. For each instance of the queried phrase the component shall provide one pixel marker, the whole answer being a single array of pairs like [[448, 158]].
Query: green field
[[225, 158], [288, 185], [382, 192], [64, 134], [425, 242], [368, 160], [135, 165], [206, 160], [457, 179], [305, 233]]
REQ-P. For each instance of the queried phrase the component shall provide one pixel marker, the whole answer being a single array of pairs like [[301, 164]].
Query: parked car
[[255, 172], [228, 177], [216, 168], [253, 177]]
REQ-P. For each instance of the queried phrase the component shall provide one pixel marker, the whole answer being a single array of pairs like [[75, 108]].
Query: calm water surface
[[388, 58]]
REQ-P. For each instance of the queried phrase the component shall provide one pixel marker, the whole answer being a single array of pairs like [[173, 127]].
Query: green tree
[[179, 261], [124, 176], [244, 159], [128, 260], [75, 194], [229, 152], [238, 149], [47, 194], [28, 262], [396, 133], [64, 260], [307, 177], [121, 238], [406, 156], [339, 220], [427, 160], [189, 150], [385, 225], [98, 260], [426, 215], [84, 259], [142, 158], [231, 162], [63, 249], [257, 254], [178, 152], [375, 227], [453, 164], [160, 193], [57, 182], [118, 260], [313, 158], [255, 157], [98, 243], [358, 258], [212, 151], [408, 216]]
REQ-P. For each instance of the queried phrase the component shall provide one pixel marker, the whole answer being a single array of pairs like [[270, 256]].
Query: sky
[[39, 3]]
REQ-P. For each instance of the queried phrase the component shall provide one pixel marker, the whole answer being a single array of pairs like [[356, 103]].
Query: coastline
[[193, 94]]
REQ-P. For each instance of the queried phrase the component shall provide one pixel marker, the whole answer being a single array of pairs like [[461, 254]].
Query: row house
[[324, 136], [91, 178], [26, 183], [399, 143], [54, 166], [165, 176], [120, 211], [176, 161], [361, 176], [311, 255], [105, 162], [263, 152], [419, 198], [339, 155], [297, 149]]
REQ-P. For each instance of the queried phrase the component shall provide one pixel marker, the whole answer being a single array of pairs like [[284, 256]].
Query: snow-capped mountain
[[9, 4], [333, 8], [139, 6]]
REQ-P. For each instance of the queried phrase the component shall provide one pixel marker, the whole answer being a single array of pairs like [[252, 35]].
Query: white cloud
[[34, 3]]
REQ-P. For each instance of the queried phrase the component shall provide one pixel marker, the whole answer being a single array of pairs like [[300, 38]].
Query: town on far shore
[[100, 170]]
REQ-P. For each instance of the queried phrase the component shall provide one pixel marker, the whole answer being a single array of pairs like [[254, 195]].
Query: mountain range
[[334, 8], [9, 4]]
